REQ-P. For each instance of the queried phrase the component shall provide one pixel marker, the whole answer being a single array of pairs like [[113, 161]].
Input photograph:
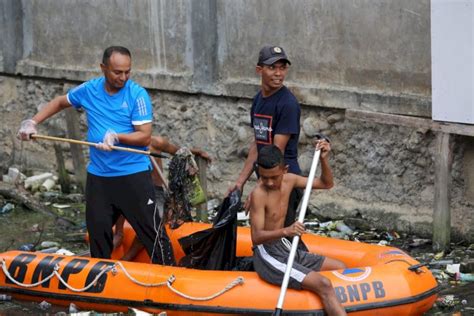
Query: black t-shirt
[[277, 114]]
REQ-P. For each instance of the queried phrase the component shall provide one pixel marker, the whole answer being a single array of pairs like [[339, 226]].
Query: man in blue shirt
[[275, 119], [119, 112]]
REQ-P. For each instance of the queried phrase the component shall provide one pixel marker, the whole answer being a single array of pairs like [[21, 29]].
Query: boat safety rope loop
[[113, 268], [54, 273], [237, 281]]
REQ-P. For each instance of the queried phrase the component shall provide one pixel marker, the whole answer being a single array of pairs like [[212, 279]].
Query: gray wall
[[197, 58], [366, 54]]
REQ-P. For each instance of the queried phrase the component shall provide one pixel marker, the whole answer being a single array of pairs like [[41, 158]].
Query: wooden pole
[[81, 142], [442, 211], [63, 176], [78, 160], [202, 208]]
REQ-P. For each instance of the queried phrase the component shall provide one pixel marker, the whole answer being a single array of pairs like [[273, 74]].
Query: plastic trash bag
[[214, 248], [197, 195]]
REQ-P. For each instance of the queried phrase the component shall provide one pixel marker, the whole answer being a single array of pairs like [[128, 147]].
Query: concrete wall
[[346, 54], [197, 58]]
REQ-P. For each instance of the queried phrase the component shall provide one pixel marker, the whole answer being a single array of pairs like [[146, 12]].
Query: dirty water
[[21, 227]]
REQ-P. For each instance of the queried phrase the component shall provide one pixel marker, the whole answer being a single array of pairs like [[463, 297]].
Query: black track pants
[[134, 197]]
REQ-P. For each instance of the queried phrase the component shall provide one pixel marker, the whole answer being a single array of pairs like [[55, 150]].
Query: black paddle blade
[[277, 312], [159, 155]]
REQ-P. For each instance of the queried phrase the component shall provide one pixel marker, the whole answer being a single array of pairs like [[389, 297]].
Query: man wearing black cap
[[275, 119]]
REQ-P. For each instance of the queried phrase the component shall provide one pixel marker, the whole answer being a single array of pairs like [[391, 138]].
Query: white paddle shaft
[[301, 216]]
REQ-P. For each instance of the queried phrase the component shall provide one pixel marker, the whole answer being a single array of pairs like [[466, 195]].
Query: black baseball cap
[[271, 54]]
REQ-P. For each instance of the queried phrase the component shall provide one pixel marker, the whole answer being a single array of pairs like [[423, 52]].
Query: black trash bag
[[214, 248]]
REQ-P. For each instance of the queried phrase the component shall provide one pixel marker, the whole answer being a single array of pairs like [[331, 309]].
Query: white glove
[[110, 139], [27, 128]]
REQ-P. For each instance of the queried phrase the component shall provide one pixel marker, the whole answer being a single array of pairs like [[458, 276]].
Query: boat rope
[[54, 273], [131, 278], [237, 281], [172, 278], [5, 271], [169, 283], [92, 283]]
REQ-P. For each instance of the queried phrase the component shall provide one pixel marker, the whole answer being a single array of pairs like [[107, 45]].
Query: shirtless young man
[[268, 209]]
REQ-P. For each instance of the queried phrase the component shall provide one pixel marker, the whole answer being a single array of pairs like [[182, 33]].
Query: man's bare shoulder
[[289, 179], [259, 191]]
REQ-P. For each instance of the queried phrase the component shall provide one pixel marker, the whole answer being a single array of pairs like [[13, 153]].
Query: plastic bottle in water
[[466, 277]]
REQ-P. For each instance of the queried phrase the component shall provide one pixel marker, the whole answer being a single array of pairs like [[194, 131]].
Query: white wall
[[452, 50]]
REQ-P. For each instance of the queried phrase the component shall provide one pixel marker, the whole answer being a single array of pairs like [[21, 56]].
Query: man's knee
[[332, 264], [318, 283], [339, 265]]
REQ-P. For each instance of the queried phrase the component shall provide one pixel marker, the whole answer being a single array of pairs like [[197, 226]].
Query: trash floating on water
[[439, 255], [5, 297], [61, 206], [328, 225], [453, 268], [27, 247], [35, 182], [335, 234], [137, 312], [7, 208], [419, 242], [64, 252], [447, 301], [343, 228], [465, 277], [49, 244], [47, 185], [73, 308], [49, 250], [44, 305]]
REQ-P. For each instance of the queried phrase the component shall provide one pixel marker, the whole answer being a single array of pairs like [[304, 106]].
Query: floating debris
[[447, 301], [27, 247], [7, 208], [464, 277], [343, 228], [5, 297], [328, 225], [65, 252], [453, 268], [44, 305], [73, 308], [34, 182], [48, 244], [61, 206], [49, 250], [419, 242]]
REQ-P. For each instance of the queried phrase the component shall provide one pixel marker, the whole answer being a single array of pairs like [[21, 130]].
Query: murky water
[[20, 227]]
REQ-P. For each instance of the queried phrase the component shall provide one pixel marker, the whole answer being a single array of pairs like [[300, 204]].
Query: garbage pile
[[65, 212], [454, 270], [43, 182]]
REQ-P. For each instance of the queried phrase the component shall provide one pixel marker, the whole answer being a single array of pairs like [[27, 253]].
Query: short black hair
[[114, 49], [269, 157]]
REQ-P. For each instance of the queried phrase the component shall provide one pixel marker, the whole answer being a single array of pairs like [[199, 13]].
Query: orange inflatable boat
[[379, 280]]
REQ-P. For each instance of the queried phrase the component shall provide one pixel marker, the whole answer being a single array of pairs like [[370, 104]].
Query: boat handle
[[417, 267]]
